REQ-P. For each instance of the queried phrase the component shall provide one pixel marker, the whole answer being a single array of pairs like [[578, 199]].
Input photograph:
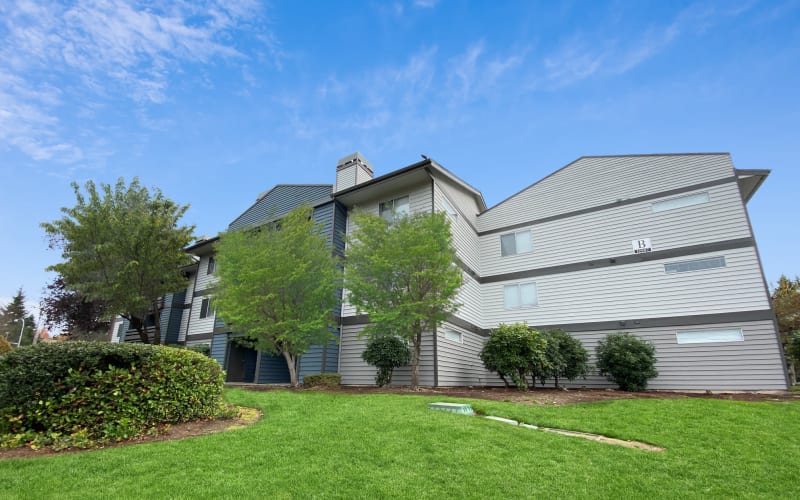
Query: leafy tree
[[278, 286], [78, 317], [786, 302], [566, 358], [403, 275], [122, 246], [514, 351], [793, 351], [5, 345], [11, 321], [627, 360], [386, 352]]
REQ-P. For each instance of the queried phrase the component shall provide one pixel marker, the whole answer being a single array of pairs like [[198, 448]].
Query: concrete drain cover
[[462, 409]]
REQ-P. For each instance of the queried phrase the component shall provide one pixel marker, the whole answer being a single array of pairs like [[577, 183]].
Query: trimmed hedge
[[327, 380], [626, 360], [100, 392]]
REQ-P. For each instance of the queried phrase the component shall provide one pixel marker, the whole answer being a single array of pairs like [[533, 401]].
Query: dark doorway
[[241, 363]]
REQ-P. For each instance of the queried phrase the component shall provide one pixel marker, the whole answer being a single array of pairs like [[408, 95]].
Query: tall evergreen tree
[[11, 324]]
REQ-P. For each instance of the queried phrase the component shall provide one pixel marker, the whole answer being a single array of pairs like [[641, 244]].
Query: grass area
[[315, 444]]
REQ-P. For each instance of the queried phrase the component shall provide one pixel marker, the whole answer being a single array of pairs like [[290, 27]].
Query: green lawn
[[313, 444]]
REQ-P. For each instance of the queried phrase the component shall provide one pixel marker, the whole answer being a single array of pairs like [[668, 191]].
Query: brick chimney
[[351, 171]]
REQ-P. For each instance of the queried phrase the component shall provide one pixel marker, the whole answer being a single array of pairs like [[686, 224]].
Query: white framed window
[[448, 208], [394, 209], [454, 336], [212, 265], [694, 265], [680, 202], [516, 243], [707, 336], [206, 308], [520, 295]]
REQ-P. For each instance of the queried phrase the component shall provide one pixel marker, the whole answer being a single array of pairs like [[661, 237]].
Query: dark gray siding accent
[[273, 370], [323, 216], [620, 203], [219, 345], [311, 362], [339, 228], [280, 200], [618, 260]]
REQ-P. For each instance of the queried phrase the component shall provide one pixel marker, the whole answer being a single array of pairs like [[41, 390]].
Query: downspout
[[435, 336]]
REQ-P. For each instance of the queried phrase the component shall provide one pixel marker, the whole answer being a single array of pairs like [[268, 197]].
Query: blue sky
[[216, 101]]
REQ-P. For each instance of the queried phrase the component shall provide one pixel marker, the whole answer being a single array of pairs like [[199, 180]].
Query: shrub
[[97, 392], [5, 345], [203, 349], [513, 351], [326, 380], [386, 352], [627, 360], [565, 355]]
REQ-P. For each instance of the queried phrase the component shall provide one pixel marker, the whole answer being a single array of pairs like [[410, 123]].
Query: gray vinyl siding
[[204, 280], [355, 371], [461, 198], [640, 290], [197, 325], [470, 296], [460, 364], [465, 239], [187, 311], [593, 181], [608, 233], [171, 317], [280, 200], [219, 346], [754, 364]]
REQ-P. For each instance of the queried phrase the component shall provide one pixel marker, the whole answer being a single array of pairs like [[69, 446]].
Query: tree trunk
[[137, 325], [417, 348], [157, 323], [291, 363], [505, 381]]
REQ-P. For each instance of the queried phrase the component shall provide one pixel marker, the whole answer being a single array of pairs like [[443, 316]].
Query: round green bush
[[514, 351], [386, 352], [627, 360], [102, 392]]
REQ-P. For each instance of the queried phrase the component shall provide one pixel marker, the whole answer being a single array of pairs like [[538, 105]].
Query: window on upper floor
[[448, 209], [454, 336], [516, 243], [394, 209], [706, 336], [520, 295], [680, 202], [206, 308], [694, 265], [212, 265]]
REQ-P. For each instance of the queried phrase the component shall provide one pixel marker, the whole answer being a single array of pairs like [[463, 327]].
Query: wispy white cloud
[[57, 54], [584, 56]]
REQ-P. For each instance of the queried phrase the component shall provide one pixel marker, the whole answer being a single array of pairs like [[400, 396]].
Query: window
[[394, 209], [454, 336], [120, 333], [520, 295], [514, 243], [680, 202], [206, 308], [694, 265], [212, 265], [448, 208], [703, 336]]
